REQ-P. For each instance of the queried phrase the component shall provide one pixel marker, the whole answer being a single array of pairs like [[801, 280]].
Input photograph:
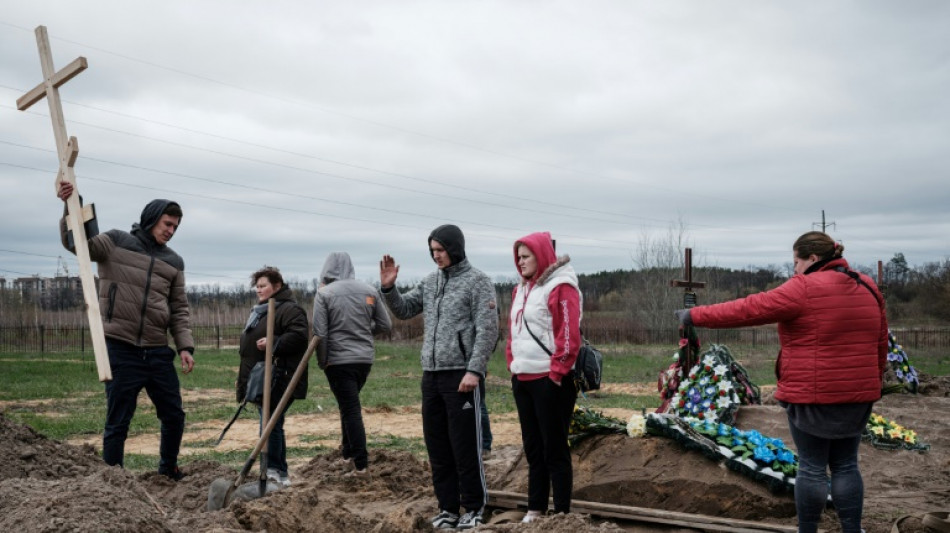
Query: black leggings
[[545, 410]]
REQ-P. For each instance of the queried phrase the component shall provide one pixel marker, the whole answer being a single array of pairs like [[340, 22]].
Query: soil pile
[[46, 485]]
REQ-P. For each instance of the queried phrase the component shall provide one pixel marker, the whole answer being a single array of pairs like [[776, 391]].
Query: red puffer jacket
[[833, 332]]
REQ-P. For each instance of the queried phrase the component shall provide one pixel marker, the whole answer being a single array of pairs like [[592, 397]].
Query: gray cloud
[[289, 131]]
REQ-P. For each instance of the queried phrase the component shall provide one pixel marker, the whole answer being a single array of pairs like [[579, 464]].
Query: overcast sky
[[289, 130]]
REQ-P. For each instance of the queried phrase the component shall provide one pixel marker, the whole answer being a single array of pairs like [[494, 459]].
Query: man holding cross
[[142, 299]]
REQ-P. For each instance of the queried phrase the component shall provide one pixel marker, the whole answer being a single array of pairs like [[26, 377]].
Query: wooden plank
[[646, 514], [37, 93]]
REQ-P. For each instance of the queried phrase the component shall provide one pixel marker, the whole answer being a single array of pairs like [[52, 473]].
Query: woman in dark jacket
[[833, 333], [290, 343]]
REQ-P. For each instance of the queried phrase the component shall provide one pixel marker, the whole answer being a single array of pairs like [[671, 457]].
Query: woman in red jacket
[[543, 341], [833, 333]]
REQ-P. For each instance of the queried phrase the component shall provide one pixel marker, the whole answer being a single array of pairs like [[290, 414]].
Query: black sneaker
[[174, 474], [470, 520], [445, 520]]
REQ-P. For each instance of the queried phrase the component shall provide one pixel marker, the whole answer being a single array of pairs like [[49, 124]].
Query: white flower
[[725, 385], [723, 402], [709, 360], [720, 369], [637, 426]]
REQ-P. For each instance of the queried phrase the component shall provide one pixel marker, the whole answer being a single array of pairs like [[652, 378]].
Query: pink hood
[[543, 249]]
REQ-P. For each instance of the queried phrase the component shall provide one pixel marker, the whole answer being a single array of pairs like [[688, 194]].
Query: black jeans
[[135, 368], [545, 411], [346, 382], [451, 425]]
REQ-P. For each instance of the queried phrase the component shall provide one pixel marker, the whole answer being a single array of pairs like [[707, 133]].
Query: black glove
[[683, 316]]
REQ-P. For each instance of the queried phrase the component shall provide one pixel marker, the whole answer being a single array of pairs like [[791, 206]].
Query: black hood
[[451, 238], [151, 214]]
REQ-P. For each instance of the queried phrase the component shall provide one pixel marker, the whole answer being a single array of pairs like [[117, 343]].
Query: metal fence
[[52, 339]]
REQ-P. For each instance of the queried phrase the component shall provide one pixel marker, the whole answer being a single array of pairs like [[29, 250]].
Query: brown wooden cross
[[689, 298], [77, 215]]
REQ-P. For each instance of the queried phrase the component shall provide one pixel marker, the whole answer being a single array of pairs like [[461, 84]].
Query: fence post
[[42, 339], [217, 335], [753, 338]]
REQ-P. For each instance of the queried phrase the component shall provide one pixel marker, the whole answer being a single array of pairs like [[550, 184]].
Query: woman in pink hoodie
[[543, 341]]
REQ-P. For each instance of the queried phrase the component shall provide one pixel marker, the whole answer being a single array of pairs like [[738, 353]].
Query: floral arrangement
[[900, 364], [714, 389], [585, 422], [750, 453], [887, 434], [637, 425]]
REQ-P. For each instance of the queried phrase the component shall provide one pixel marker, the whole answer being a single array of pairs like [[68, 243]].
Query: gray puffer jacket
[[461, 323]]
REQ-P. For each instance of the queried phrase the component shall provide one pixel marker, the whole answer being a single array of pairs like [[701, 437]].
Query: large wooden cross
[[689, 343], [689, 299], [77, 215]]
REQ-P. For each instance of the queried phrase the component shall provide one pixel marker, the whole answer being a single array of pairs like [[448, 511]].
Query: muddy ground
[[47, 485]]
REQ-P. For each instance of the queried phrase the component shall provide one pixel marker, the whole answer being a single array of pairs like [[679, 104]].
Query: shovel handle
[[268, 376], [279, 409]]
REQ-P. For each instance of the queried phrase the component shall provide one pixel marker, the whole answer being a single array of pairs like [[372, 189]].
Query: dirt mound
[[24, 453], [48, 485]]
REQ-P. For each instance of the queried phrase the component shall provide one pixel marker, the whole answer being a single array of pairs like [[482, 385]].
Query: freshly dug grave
[[47, 485]]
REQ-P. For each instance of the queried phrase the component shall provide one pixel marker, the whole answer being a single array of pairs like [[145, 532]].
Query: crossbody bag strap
[[854, 275], [543, 347]]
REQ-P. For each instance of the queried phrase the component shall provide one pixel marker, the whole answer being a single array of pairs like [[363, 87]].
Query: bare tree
[[658, 258]]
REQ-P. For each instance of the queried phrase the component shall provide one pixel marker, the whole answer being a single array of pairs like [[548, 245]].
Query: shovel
[[265, 404], [222, 490]]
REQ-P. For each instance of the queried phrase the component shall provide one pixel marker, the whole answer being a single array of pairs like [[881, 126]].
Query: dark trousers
[[276, 441], [816, 456], [487, 437], [545, 411], [135, 368], [346, 382], [451, 425]]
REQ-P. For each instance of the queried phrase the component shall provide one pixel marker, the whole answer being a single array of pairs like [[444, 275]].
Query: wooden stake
[[68, 150], [512, 500]]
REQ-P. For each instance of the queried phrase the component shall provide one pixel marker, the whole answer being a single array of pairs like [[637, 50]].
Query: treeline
[[641, 298]]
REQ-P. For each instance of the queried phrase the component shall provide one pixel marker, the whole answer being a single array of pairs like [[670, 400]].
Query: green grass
[[60, 396]]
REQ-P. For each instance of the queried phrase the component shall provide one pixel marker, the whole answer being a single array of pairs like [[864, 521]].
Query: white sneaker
[[530, 516]]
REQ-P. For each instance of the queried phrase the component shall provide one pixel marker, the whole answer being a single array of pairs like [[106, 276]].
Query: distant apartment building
[[59, 292]]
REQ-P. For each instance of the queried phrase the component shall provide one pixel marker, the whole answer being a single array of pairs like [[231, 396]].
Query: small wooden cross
[[77, 215], [689, 299]]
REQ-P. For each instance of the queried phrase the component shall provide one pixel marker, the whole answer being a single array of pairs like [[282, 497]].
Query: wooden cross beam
[[689, 299], [68, 150]]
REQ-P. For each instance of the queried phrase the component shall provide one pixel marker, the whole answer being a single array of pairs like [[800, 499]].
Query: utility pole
[[824, 225]]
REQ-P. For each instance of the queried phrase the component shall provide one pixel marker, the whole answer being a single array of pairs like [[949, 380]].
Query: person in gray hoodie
[[346, 315], [458, 305]]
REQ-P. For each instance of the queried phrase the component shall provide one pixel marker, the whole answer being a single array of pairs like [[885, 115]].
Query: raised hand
[[388, 270]]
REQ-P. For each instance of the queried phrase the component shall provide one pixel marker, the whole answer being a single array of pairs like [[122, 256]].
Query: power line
[[334, 216], [391, 127]]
